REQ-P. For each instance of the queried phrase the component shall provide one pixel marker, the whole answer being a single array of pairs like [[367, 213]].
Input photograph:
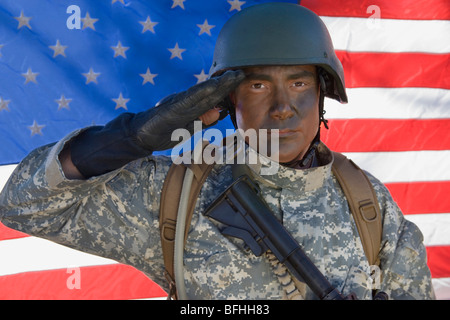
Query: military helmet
[[279, 34]]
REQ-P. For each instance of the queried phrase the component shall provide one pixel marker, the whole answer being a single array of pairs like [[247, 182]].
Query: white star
[[91, 76], [88, 22], [30, 76], [63, 103], [179, 3], [176, 52], [201, 76], [114, 1], [121, 102], [236, 5], [58, 49], [148, 25], [119, 50], [1, 46], [35, 128], [23, 21], [148, 77], [205, 28], [4, 104]]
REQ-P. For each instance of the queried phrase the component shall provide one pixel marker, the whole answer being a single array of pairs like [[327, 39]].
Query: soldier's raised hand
[[153, 128], [130, 136]]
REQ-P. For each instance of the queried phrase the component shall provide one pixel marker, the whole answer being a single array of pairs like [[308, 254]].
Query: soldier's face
[[284, 98]]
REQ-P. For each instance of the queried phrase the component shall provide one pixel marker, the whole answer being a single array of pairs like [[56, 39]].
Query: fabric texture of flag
[[70, 64]]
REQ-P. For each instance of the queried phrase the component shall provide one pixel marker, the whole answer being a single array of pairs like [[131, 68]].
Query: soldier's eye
[[257, 86]]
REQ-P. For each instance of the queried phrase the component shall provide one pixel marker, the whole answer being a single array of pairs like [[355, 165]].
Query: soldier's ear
[[232, 98]]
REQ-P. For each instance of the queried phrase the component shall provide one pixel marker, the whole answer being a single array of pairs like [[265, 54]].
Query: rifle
[[247, 217]]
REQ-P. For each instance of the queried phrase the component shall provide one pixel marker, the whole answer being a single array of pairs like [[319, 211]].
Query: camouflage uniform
[[115, 215]]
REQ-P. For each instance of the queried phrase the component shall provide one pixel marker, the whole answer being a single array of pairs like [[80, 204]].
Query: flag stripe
[[416, 198], [370, 135], [438, 258], [101, 282], [421, 197], [384, 35], [8, 234], [96, 281], [399, 69], [441, 288], [438, 268], [405, 166], [416, 10], [38, 254], [5, 172], [434, 226], [391, 103]]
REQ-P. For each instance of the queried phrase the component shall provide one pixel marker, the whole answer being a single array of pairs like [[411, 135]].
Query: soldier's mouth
[[283, 132]]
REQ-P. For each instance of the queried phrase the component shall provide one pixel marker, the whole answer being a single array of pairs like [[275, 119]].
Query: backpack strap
[[170, 199], [362, 202]]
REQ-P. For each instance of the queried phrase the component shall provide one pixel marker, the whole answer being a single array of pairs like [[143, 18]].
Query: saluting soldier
[[98, 189]]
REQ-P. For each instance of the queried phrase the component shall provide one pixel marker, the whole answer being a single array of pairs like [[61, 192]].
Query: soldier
[[98, 189]]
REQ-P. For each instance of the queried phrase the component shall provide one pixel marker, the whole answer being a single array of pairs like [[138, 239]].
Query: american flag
[[68, 64]]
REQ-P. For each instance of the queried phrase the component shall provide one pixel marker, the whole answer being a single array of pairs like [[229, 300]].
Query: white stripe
[[35, 254], [5, 172], [391, 103], [405, 166], [441, 288], [434, 226], [389, 35]]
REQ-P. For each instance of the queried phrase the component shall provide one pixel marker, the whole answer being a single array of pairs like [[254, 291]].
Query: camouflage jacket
[[115, 215]]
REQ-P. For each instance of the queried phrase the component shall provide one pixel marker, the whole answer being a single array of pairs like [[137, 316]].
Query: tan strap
[[170, 199], [363, 204]]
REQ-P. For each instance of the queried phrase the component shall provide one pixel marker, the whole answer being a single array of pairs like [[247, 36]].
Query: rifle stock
[[246, 216]]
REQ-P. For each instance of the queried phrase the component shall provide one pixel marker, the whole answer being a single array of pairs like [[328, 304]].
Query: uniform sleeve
[[114, 215], [403, 259]]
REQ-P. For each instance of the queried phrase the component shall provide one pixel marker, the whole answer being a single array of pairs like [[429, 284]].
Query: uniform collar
[[276, 175]]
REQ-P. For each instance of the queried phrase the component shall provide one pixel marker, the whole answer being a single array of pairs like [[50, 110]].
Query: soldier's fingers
[[210, 116], [206, 95]]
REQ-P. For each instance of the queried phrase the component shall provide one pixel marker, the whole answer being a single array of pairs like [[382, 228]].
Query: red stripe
[[7, 233], [412, 9], [439, 261], [421, 197], [101, 282], [371, 135], [393, 70]]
